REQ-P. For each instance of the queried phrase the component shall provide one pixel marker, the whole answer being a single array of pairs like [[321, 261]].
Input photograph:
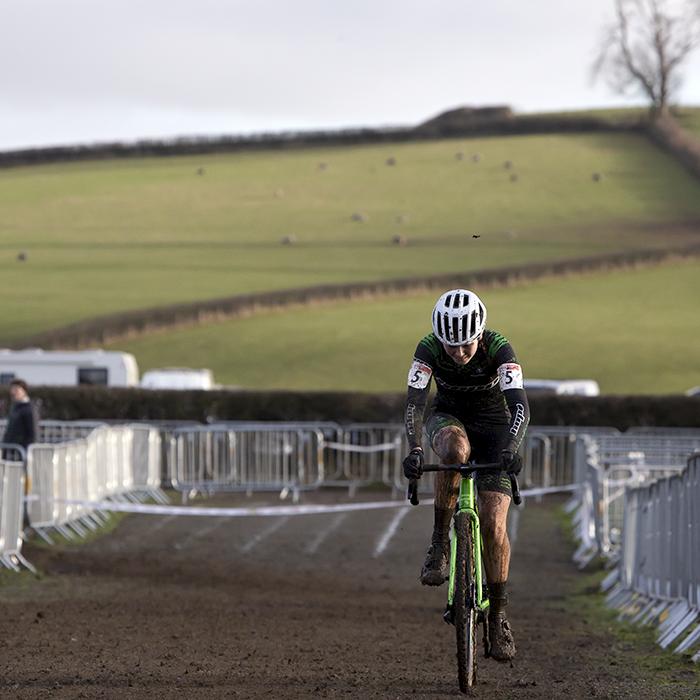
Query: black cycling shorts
[[486, 443]]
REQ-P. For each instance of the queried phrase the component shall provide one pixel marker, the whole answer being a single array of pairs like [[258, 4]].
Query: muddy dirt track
[[306, 606]]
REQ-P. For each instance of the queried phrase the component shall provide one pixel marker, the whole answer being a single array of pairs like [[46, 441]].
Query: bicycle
[[467, 596]]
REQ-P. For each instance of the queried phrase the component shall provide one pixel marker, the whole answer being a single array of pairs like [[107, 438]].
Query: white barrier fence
[[12, 486], [248, 457], [286, 457], [657, 580], [607, 465], [59, 480], [298, 456]]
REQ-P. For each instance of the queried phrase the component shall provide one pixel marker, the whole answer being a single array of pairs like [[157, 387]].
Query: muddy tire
[[466, 615]]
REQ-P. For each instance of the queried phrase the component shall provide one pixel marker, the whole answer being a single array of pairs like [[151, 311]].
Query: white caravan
[[58, 368]]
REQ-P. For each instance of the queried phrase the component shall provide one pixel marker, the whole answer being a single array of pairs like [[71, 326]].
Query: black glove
[[511, 462], [413, 464]]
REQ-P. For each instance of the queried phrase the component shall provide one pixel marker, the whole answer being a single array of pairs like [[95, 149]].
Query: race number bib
[[510, 376], [419, 376]]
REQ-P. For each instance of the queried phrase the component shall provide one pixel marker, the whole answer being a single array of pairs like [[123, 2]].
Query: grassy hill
[[105, 236], [102, 237], [634, 332]]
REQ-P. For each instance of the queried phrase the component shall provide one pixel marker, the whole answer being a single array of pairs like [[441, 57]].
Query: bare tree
[[645, 46]]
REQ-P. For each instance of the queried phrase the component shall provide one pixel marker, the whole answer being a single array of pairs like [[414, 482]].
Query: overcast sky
[[87, 71]]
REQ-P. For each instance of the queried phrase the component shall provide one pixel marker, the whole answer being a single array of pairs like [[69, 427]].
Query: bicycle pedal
[[449, 615]]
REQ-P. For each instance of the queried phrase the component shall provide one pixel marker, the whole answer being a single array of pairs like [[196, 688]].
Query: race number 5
[[510, 376], [419, 376]]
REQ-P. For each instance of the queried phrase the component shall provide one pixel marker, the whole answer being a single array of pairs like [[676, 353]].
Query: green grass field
[[634, 332], [108, 236]]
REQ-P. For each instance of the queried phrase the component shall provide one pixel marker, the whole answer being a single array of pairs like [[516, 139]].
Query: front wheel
[[466, 614]]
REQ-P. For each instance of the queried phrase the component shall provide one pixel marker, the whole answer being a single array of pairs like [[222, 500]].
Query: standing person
[[21, 423], [480, 411]]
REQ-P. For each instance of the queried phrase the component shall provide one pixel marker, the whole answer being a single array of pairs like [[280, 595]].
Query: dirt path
[[298, 607]]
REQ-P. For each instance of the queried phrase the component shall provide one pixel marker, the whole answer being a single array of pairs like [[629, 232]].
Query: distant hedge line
[[102, 403], [97, 332], [500, 121], [458, 123]]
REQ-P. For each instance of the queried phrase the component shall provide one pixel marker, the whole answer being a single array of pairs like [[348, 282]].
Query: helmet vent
[[455, 329]]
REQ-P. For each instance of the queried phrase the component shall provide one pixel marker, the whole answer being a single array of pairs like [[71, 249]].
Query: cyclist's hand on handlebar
[[511, 462], [413, 464]]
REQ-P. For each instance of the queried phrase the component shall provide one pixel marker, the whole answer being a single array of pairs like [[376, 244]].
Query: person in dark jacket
[[21, 423]]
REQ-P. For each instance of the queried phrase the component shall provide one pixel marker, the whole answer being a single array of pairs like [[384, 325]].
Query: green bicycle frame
[[467, 504]]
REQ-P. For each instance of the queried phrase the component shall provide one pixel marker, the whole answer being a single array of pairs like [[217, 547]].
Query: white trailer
[[563, 387], [58, 368], [178, 378]]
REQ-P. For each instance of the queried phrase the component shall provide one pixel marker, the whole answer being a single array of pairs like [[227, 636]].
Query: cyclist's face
[[461, 354]]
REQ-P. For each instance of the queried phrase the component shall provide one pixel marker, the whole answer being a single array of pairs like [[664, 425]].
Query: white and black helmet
[[459, 317]]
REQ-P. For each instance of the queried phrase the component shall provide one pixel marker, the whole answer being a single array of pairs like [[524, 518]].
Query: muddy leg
[[452, 447]]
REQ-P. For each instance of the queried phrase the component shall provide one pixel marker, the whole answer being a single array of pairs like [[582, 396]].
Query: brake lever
[[412, 494], [515, 488]]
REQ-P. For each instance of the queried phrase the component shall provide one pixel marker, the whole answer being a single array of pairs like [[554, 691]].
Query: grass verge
[[663, 669]]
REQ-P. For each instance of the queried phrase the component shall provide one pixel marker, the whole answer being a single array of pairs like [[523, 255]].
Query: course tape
[[383, 447], [263, 510], [546, 490], [231, 512]]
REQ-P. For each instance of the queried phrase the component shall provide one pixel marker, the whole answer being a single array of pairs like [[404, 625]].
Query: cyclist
[[480, 411]]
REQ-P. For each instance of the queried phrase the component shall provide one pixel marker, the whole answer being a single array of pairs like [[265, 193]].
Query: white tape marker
[[390, 532], [265, 533], [323, 535]]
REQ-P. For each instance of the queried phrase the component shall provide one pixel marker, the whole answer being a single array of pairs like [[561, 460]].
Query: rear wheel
[[466, 615]]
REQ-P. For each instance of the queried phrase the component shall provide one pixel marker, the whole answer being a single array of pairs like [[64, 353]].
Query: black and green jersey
[[487, 391]]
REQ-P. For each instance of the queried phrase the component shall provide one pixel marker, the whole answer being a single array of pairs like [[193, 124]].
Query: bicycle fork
[[478, 595]]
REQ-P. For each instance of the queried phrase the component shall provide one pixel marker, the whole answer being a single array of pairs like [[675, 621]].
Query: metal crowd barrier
[[64, 479], [287, 457], [551, 455], [610, 465], [12, 485], [657, 580], [365, 454], [239, 456]]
